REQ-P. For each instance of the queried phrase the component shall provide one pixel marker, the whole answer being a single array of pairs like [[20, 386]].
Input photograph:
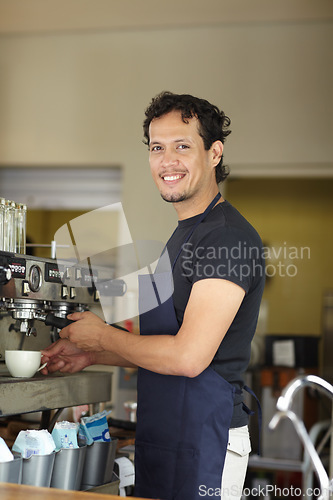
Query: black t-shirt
[[226, 246]]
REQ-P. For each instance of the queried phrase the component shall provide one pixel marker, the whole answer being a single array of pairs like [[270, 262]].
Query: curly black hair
[[213, 122]]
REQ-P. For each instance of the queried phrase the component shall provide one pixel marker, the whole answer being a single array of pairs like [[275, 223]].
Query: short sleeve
[[226, 253]]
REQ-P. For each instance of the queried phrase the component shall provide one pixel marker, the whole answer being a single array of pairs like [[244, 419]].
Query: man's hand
[[80, 346], [65, 357], [86, 331]]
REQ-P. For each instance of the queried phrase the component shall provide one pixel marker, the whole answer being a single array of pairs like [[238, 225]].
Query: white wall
[[79, 98]]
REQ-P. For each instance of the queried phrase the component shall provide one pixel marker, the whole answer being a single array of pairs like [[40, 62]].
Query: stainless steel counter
[[52, 391]]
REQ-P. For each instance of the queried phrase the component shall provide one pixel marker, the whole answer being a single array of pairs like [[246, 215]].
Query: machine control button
[[72, 292], [78, 273], [25, 288], [53, 273], [18, 267], [96, 296], [68, 273], [64, 292]]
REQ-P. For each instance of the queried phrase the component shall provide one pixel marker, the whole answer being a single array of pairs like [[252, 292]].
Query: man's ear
[[216, 152]]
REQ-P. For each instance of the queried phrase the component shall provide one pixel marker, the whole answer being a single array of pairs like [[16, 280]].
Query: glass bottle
[[20, 228], [2, 217], [9, 226]]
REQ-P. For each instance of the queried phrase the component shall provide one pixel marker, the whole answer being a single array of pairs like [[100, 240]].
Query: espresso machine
[[36, 295]]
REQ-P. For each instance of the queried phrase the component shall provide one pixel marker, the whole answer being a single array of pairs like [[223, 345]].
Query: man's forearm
[[153, 352], [112, 359]]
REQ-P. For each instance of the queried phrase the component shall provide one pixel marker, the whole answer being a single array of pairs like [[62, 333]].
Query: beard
[[174, 197]]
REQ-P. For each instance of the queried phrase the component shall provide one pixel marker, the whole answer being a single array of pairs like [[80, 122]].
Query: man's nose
[[169, 157]]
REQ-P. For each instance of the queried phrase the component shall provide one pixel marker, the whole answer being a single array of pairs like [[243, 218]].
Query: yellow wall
[[292, 215], [42, 225], [94, 233]]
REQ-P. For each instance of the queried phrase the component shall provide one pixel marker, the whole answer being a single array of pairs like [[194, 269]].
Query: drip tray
[[49, 392]]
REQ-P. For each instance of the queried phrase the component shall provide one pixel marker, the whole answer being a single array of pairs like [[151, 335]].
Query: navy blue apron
[[182, 423]]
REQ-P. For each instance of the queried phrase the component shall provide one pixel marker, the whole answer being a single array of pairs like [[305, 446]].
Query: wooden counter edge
[[10, 491]]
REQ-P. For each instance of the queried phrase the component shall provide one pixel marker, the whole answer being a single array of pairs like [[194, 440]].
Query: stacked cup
[[12, 226]]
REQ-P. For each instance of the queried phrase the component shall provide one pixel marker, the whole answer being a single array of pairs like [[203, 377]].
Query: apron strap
[[201, 218], [250, 412]]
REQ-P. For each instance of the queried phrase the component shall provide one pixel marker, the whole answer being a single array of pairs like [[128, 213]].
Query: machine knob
[[5, 275]]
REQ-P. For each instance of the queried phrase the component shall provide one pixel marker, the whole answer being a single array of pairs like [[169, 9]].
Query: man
[[194, 347]]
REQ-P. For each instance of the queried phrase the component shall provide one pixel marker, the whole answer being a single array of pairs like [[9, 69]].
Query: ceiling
[[49, 16]]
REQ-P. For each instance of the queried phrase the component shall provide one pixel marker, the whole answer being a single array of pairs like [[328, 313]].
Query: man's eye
[[155, 148], [183, 146]]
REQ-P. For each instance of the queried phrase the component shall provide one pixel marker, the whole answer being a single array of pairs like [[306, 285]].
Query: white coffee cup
[[23, 363]]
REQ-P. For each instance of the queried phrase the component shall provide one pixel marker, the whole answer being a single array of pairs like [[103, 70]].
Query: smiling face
[[182, 169]]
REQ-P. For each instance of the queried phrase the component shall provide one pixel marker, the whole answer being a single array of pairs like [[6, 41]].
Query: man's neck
[[192, 207]]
